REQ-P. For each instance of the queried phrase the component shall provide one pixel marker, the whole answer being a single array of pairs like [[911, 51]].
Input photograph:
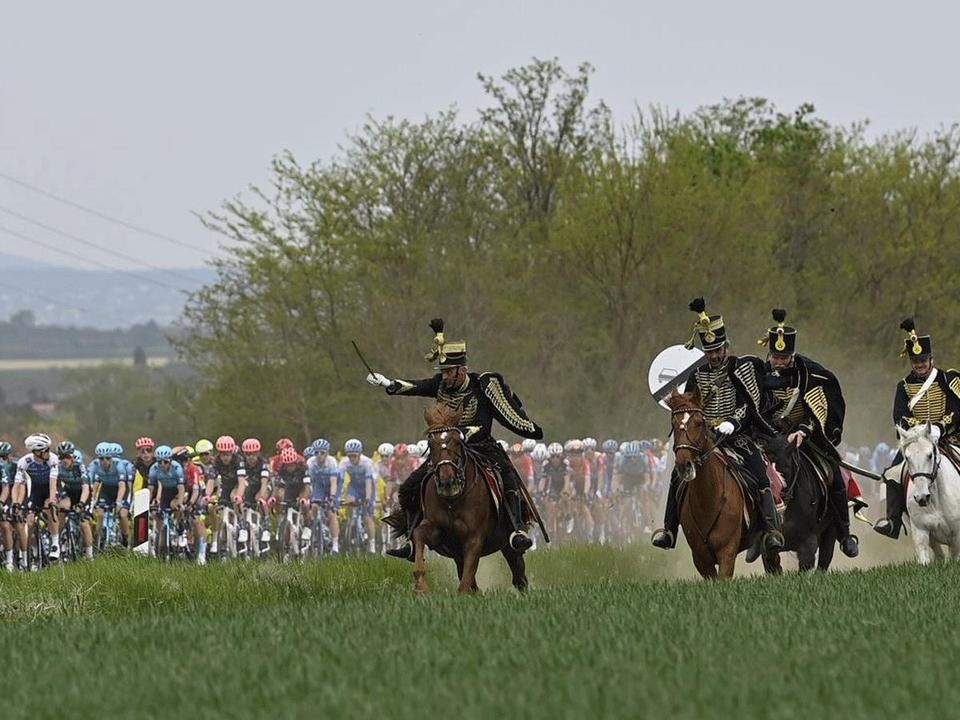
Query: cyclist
[[38, 472], [194, 493], [282, 443], [293, 485], [231, 478], [325, 482], [403, 464], [362, 488], [258, 474], [142, 464], [111, 483], [167, 486], [385, 453], [8, 471], [75, 492]]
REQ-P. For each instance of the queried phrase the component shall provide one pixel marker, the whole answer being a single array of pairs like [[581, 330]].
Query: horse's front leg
[[921, 545], [471, 561], [420, 536]]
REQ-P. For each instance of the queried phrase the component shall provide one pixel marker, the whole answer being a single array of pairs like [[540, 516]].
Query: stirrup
[[887, 528], [664, 539], [754, 552], [520, 541], [773, 541], [854, 550], [404, 552]]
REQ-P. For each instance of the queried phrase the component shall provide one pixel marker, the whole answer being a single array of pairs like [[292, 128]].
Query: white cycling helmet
[[385, 450], [504, 445], [353, 446], [555, 449], [540, 452], [528, 444], [589, 443], [573, 446], [422, 446], [38, 442], [623, 446]]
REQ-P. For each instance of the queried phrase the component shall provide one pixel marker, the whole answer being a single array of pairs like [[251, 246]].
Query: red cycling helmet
[[226, 444], [288, 456], [284, 443], [251, 445], [144, 442], [400, 449]]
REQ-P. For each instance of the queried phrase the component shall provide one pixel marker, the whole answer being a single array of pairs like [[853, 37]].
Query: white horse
[[933, 495]]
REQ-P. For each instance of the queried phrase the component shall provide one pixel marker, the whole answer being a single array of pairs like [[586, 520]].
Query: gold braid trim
[[816, 400], [494, 391], [748, 377], [404, 387], [955, 386]]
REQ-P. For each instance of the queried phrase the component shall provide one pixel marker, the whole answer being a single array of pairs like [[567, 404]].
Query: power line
[[67, 253], [94, 245], [102, 215]]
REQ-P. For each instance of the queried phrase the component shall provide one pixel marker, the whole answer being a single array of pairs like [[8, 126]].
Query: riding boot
[[770, 521], [404, 552], [849, 544], [519, 540], [666, 537], [896, 504]]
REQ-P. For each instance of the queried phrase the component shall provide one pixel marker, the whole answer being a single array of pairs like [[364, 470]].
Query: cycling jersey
[[228, 474], [579, 473], [37, 474], [256, 474], [169, 479], [325, 479], [401, 467], [555, 475], [292, 477], [72, 481], [609, 464], [360, 473]]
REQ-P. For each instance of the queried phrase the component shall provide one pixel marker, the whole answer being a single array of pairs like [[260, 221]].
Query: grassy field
[[593, 638]]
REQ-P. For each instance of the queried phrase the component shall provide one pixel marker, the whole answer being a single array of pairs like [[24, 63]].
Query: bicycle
[[355, 533], [71, 537], [289, 533], [227, 534], [108, 535]]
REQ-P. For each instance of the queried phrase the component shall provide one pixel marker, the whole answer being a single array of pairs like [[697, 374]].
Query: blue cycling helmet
[[164, 452], [102, 450], [78, 457], [309, 451], [610, 446], [117, 449], [321, 445], [353, 446], [633, 449]]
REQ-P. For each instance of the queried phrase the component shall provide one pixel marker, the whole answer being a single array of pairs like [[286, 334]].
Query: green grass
[[593, 638]]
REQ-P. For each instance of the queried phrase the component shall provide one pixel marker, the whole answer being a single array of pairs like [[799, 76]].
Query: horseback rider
[[808, 408], [481, 398], [927, 394], [730, 389]]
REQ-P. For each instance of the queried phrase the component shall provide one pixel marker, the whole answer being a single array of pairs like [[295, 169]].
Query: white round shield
[[671, 368]]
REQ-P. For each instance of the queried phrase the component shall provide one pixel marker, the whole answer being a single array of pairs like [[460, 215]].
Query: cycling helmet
[[284, 443], [528, 444], [204, 446], [182, 453], [164, 452], [539, 452], [352, 446], [5, 449], [400, 449], [516, 449], [623, 446], [38, 442], [589, 443], [115, 449], [645, 444], [78, 457], [633, 448], [288, 456], [251, 445], [555, 449], [423, 446], [610, 446], [385, 450], [144, 442], [321, 445], [102, 450], [65, 448], [226, 444], [573, 446], [309, 452]]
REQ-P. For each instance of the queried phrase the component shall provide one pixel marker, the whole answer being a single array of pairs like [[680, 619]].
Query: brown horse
[[460, 520], [712, 506]]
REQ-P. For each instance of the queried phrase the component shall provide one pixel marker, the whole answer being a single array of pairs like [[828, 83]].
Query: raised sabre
[[362, 359]]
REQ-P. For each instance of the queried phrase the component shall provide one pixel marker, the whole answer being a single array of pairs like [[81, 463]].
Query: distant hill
[[21, 340], [103, 299]]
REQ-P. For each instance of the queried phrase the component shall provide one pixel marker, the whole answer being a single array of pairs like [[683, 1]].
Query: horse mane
[[685, 401], [440, 416]]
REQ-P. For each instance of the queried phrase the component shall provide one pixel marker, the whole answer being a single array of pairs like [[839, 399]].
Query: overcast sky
[[146, 114]]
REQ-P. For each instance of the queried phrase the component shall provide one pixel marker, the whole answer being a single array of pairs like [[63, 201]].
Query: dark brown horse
[[712, 506], [460, 520]]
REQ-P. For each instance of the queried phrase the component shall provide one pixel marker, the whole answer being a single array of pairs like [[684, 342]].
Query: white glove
[[378, 379], [935, 433], [725, 428]]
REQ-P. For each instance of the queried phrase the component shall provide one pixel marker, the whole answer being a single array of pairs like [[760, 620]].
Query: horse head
[[691, 433], [447, 459], [922, 456]]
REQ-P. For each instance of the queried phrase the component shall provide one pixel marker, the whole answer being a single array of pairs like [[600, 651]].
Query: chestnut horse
[[712, 506], [460, 520]]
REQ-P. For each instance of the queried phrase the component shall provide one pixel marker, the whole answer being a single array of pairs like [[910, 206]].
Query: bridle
[[931, 476], [682, 429], [459, 465]]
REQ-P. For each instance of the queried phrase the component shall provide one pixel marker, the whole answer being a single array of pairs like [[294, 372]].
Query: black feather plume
[[437, 325], [907, 325], [779, 315], [698, 305]]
